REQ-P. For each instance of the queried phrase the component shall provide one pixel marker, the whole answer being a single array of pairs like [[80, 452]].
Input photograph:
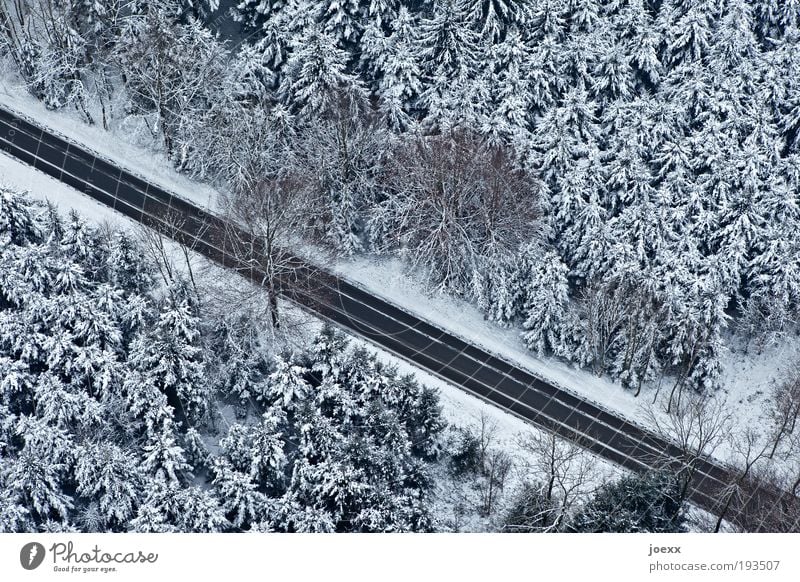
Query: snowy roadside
[[747, 380], [459, 408], [465, 410], [119, 145]]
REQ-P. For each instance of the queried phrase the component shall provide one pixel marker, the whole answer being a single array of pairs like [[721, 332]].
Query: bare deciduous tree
[[487, 437], [159, 234], [172, 70], [697, 426], [496, 467], [785, 410], [452, 202], [488, 465], [260, 225], [266, 205], [751, 448], [56, 44], [338, 158], [564, 469]]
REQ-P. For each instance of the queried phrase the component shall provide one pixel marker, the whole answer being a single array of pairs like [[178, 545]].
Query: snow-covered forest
[[129, 404], [618, 180]]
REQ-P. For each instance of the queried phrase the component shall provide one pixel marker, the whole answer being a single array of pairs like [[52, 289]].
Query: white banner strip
[[407, 557]]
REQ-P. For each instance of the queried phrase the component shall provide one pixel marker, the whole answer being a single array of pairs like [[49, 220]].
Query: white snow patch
[[114, 145]]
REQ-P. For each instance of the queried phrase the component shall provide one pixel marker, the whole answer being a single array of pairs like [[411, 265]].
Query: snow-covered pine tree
[[315, 78], [172, 507], [16, 224], [343, 20], [258, 13], [687, 28], [493, 18], [741, 219], [240, 499], [644, 504], [163, 457], [548, 18], [582, 15], [545, 83], [169, 357], [735, 49], [109, 476], [772, 302], [509, 116], [38, 474], [448, 44], [354, 467], [390, 62], [455, 94], [423, 418], [775, 18], [497, 285], [13, 515], [546, 304], [287, 383], [258, 449], [124, 266], [588, 241]]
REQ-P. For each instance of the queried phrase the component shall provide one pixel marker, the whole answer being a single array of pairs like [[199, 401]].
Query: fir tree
[[315, 75], [546, 305], [644, 504]]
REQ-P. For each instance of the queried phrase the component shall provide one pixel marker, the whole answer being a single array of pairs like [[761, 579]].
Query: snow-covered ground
[[747, 379], [127, 146], [459, 408]]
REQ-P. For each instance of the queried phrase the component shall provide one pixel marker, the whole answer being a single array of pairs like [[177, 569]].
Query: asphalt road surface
[[471, 368]]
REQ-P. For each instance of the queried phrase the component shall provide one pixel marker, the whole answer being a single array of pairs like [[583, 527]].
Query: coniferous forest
[[126, 404], [619, 180], [112, 386]]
